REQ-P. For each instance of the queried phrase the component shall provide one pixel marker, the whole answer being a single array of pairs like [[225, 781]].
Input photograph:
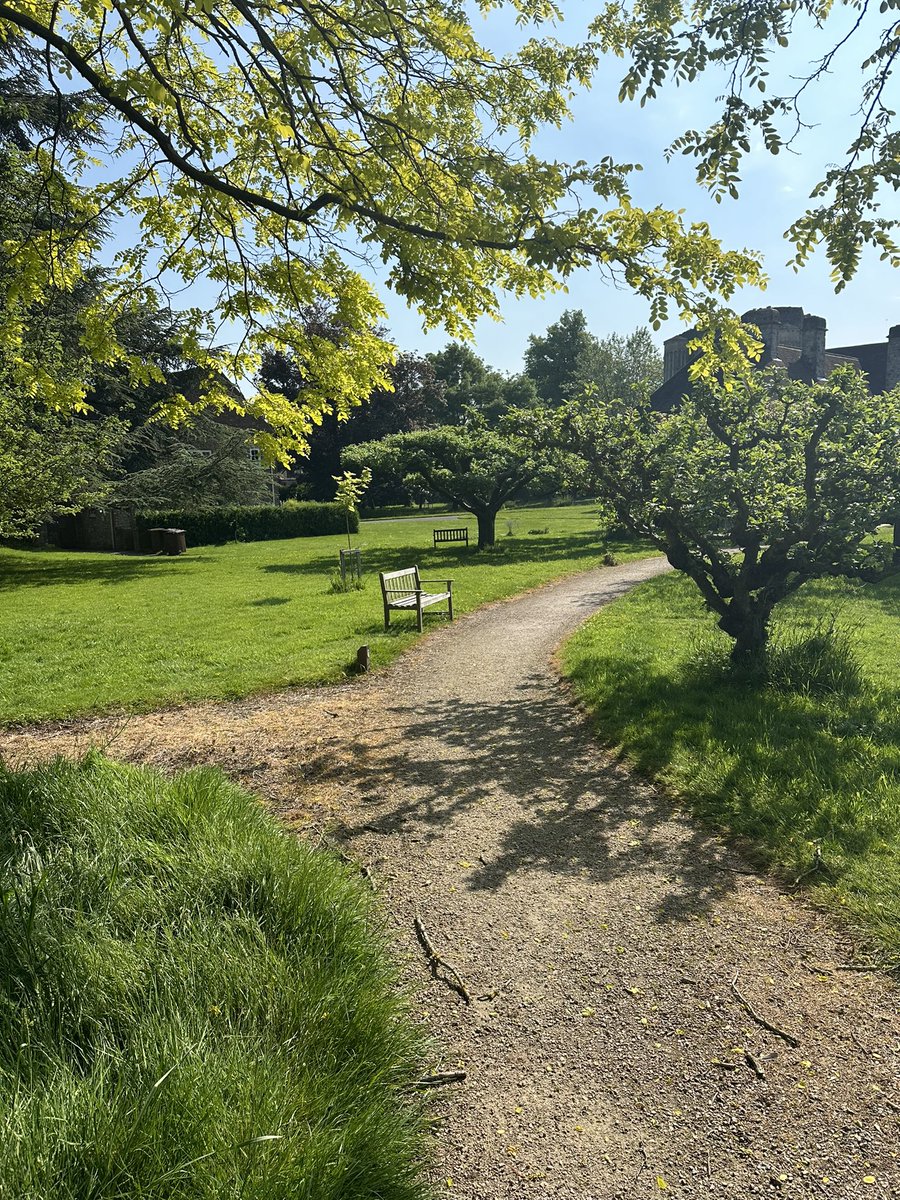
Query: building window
[[254, 454]]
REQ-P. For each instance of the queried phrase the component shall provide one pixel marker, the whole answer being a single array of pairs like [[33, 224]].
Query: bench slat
[[403, 590]]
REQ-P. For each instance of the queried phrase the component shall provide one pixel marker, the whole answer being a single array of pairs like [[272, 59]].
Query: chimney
[[768, 322], [892, 363], [675, 354], [813, 346]]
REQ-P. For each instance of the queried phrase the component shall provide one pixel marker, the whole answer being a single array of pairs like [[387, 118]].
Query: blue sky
[[773, 193]]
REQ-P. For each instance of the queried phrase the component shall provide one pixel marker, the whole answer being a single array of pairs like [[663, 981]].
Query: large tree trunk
[[487, 521], [750, 629]]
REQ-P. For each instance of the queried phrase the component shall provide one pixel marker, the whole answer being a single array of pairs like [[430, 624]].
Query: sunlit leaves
[[265, 148], [677, 42]]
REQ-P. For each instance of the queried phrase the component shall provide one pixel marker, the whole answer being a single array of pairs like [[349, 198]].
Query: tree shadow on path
[[524, 786]]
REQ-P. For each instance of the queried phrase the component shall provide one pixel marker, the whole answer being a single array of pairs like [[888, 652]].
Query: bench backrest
[[459, 533], [397, 584]]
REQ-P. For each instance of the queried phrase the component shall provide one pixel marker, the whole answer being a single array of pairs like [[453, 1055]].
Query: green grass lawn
[[82, 633], [788, 771], [193, 1003]]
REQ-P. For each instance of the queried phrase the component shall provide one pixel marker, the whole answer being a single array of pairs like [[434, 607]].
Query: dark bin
[[173, 541], [156, 540]]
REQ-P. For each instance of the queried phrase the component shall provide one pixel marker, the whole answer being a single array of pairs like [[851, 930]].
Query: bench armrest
[[447, 581]]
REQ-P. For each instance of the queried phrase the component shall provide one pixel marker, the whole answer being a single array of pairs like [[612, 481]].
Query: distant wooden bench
[[403, 590], [459, 533]]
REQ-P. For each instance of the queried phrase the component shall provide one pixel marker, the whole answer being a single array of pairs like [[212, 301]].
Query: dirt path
[[616, 1059]]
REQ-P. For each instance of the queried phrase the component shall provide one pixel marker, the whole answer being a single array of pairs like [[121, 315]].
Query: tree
[[413, 399], [745, 42], [49, 463], [617, 365], [471, 385], [349, 492], [475, 467], [265, 147], [555, 360], [753, 488], [200, 465]]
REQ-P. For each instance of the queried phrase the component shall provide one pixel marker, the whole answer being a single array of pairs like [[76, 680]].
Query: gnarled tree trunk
[[487, 522], [749, 626]]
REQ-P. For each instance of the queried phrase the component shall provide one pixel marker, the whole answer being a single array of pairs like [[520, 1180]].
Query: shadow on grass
[[46, 568], [507, 551], [782, 769], [576, 813]]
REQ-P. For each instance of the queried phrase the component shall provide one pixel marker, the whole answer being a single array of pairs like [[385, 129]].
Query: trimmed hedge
[[252, 522]]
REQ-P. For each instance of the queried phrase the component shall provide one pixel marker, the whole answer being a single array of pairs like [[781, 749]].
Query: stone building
[[797, 341]]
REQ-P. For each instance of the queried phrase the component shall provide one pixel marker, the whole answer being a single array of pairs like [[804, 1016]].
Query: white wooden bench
[[403, 590]]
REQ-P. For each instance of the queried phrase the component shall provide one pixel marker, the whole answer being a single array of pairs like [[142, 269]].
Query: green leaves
[[754, 484], [262, 147], [675, 42]]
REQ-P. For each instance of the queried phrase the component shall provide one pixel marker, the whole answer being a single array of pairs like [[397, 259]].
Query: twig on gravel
[[495, 992], [788, 1037], [439, 1078], [860, 967], [818, 864], [719, 1062], [643, 1163], [451, 976], [754, 1065]]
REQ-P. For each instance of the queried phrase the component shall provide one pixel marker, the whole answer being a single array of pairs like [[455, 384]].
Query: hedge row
[[252, 523]]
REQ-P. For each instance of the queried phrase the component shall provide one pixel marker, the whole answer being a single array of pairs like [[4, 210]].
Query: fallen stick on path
[[495, 992], [754, 1065], [788, 1037], [439, 1078], [452, 977]]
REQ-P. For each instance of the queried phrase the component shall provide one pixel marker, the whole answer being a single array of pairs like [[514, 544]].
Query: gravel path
[[616, 1059], [608, 1051]]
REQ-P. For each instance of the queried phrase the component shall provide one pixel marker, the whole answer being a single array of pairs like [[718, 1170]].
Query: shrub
[[193, 1003], [818, 663], [252, 523]]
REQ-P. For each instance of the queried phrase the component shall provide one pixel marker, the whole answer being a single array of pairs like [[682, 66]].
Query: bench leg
[[419, 614], [450, 605], [387, 617]]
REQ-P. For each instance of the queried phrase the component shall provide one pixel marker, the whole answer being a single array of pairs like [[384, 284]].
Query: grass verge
[[83, 633], [193, 1004], [811, 779]]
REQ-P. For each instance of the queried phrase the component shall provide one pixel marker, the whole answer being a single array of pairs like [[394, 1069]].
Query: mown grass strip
[[85, 633], [192, 1004], [812, 781]]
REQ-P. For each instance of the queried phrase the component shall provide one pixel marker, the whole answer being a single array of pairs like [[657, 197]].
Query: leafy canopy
[[744, 41], [794, 477], [474, 466], [50, 463], [267, 147], [568, 358]]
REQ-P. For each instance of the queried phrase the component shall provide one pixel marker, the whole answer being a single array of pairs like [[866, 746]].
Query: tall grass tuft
[[818, 662], [192, 1003]]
